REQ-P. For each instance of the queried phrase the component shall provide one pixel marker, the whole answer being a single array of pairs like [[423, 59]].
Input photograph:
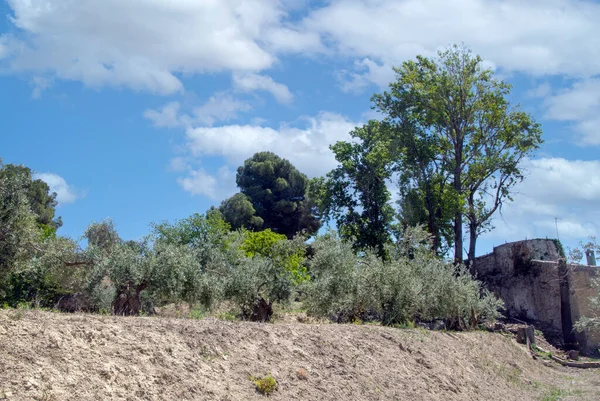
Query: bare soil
[[52, 356]]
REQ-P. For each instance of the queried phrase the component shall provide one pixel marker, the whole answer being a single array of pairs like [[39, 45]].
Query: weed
[[228, 316], [16, 315], [554, 394], [197, 314], [265, 385]]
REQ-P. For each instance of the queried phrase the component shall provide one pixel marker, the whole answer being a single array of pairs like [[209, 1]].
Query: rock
[[573, 355]]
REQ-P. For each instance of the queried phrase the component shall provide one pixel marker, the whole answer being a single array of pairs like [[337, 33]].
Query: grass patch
[[554, 394], [265, 385]]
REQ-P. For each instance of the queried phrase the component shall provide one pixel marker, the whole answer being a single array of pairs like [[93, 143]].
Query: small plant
[[555, 394], [228, 316], [16, 315], [302, 374], [265, 385], [197, 314]]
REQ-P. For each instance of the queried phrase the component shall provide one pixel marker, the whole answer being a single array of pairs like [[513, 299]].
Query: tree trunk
[[261, 311], [472, 241], [127, 302], [458, 217]]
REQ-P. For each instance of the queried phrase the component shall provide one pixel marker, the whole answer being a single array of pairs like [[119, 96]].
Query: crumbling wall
[[527, 276]]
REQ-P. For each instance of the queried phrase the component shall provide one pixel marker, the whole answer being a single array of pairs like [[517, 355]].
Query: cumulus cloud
[[554, 188], [65, 193], [145, 44], [579, 105], [253, 82], [167, 116], [222, 106], [307, 148], [537, 37], [215, 187]]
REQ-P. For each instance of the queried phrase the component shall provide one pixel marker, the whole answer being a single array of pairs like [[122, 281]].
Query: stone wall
[[535, 287]]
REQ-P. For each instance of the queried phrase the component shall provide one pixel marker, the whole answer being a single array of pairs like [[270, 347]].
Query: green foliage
[[159, 274], [277, 192], [413, 284], [287, 254], [36, 286], [41, 201], [19, 234], [560, 248], [265, 385], [460, 142], [239, 213], [102, 236], [355, 194], [254, 284]]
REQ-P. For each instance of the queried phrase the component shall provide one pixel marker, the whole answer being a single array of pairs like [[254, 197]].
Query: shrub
[[414, 284], [254, 284], [266, 385], [143, 277], [287, 253]]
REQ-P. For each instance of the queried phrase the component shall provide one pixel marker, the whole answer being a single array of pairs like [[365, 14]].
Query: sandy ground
[[51, 356]]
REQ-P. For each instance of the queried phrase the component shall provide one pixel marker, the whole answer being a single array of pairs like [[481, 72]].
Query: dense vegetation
[[449, 140]]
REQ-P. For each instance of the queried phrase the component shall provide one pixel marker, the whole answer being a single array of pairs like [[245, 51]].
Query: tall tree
[[475, 138], [19, 235], [41, 201], [355, 194], [278, 194]]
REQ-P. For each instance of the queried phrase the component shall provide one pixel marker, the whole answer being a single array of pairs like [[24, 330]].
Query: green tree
[[41, 201], [278, 194], [473, 138], [102, 236], [355, 194], [239, 212], [19, 233]]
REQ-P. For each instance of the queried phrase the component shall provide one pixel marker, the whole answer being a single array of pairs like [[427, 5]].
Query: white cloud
[[554, 188], [307, 149], [579, 104], [178, 164], [380, 75], [541, 91], [538, 37], [40, 84], [145, 44], [220, 107], [167, 116], [217, 187], [252, 82], [64, 192]]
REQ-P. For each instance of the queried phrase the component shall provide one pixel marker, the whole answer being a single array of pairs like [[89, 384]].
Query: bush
[[35, 286], [266, 385], [254, 284], [413, 285]]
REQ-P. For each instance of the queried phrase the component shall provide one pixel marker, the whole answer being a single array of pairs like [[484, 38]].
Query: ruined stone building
[[538, 286]]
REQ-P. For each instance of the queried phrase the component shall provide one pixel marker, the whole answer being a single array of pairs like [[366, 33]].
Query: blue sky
[[141, 110]]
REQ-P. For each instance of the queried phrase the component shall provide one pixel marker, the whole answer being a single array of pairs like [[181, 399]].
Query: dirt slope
[[51, 356]]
